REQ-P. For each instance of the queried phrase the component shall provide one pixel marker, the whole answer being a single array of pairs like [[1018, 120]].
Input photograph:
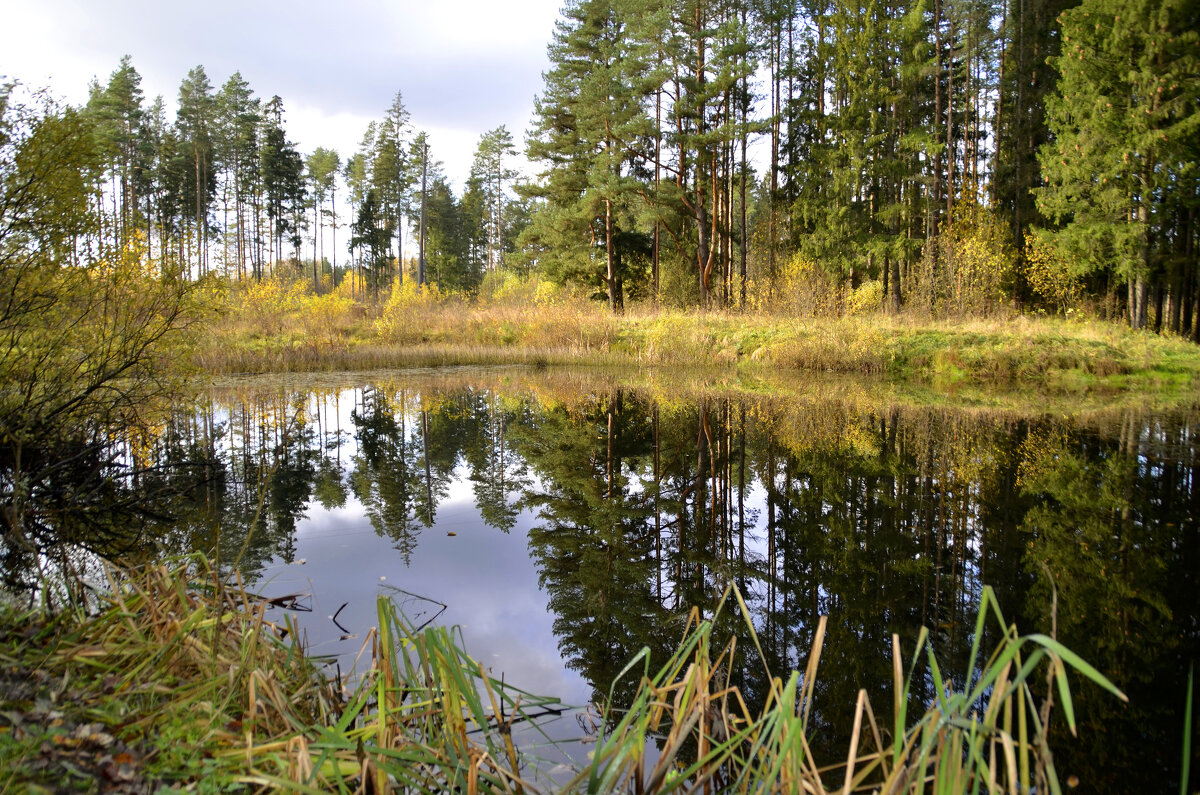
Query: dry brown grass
[[280, 327], [180, 654]]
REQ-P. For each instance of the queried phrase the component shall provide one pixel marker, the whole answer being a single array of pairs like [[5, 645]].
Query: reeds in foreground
[[992, 737], [192, 651]]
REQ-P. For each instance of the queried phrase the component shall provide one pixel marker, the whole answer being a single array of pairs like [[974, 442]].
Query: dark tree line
[[914, 146], [942, 156]]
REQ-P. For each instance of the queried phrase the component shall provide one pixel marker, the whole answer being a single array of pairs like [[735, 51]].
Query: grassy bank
[[280, 329], [177, 679]]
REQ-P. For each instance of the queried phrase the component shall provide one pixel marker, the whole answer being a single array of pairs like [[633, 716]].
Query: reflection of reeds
[[179, 646]]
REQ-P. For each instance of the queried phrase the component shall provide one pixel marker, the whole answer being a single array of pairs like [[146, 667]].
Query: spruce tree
[[1124, 123], [370, 236], [1030, 37]]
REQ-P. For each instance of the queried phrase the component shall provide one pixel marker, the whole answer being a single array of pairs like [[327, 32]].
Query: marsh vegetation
[[567, 521]]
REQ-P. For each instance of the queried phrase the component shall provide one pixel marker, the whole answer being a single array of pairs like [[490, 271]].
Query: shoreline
[[1047, 355]]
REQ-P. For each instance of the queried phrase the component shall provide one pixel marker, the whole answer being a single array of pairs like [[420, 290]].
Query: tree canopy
[[817, 156]]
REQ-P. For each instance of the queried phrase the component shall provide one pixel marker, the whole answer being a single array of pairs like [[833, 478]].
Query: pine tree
[[561, 238], [442, 227], [241, 120], [356, 173], [282, 174], [117, 115], [417, 178], [146, 177], [390, 174], [591, 132], [401, 178], [322, 170], [195, 124], [492, 175], [705, 59]]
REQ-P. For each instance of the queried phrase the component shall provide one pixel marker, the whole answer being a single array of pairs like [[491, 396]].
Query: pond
[[565, 521]]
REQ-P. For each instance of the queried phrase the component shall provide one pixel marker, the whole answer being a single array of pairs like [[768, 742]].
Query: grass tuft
[[180, 666]]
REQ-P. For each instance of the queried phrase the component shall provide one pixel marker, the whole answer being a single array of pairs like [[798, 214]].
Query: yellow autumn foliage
[[965, 270], [866, 298], [404, 306], [1049, 275], [804, 289], [270, 301]]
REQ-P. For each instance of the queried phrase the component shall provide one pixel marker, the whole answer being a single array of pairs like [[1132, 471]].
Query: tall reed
[[989, 735], [192, 648]]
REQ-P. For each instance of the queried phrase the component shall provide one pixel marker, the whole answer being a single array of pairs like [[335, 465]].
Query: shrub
[[407, 302], [803, 288], [1049, 275], [966, 267], [328, 317], [867, 297], [269, 302]]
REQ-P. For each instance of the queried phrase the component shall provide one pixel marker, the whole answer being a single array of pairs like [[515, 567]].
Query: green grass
[[1017, 351], [180, 670]]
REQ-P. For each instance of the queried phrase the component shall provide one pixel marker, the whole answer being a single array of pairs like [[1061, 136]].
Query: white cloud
[[463, 67]]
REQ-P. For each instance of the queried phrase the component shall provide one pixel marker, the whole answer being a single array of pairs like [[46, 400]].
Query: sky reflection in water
[[588, 521], [484, 577]]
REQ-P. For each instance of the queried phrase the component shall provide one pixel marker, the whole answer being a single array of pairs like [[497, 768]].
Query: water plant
[[988, 735], [181, 664]]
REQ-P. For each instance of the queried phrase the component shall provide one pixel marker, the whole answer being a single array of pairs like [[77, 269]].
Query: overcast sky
[[463, 66]]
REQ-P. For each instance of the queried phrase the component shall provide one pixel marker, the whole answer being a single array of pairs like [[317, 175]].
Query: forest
[[946, 159], [987, 208]]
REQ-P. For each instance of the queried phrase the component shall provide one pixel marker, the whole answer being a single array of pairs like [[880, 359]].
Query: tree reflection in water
[[885, 518]]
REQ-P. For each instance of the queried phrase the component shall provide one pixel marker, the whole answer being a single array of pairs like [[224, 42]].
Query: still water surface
[[565, 524]]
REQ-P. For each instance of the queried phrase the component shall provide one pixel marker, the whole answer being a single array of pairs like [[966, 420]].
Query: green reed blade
[[939, 684], [1077, 663], [993, 672], [750, 627], [1064, 693], [981, 616], [1185, 773], [901, 717]]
